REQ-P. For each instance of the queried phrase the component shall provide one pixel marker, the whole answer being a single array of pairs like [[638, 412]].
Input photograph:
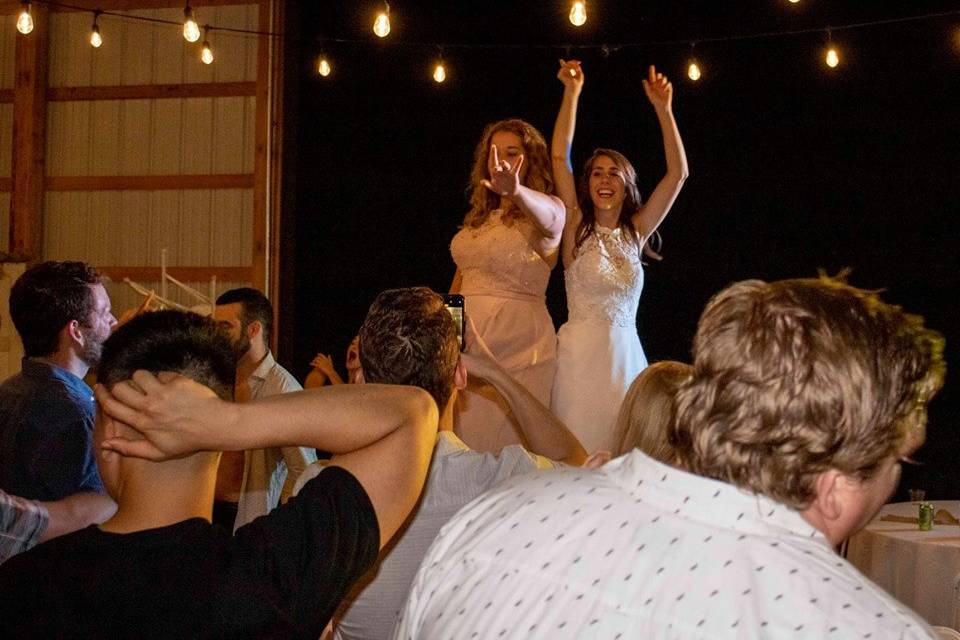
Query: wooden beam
[[153, 91], [29, 138], [275, 171], [9, 7], [261, 157], [150, 183], [183, 274]]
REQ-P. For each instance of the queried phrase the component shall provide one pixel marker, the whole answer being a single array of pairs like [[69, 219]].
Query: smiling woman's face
[[607, 190]]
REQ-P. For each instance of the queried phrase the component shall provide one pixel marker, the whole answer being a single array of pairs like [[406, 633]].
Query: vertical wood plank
[[29, 138], [261, 153]]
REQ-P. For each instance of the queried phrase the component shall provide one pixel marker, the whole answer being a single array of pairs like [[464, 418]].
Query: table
[[919, 568]]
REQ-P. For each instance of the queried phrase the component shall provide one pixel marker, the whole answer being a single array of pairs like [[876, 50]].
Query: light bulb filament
[[578, 13], [25, 20]]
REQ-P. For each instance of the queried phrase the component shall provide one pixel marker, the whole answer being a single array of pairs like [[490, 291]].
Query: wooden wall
[[146, 148]]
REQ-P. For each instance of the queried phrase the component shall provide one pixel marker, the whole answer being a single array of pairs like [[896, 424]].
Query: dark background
[[794, 167]]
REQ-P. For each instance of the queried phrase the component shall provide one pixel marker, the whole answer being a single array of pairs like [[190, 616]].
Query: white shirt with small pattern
[[639, 549]]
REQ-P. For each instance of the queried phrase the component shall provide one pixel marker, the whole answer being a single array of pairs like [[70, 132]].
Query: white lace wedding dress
[[599, 353]]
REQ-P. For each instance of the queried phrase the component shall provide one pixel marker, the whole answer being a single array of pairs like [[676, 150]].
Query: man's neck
[[153, 500], [249, 361], [68, 361], [446, 416]]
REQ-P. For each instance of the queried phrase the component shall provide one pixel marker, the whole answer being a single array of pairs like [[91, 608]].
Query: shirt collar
[[45, 371], [693, 497], [263, 369], [448, 442]]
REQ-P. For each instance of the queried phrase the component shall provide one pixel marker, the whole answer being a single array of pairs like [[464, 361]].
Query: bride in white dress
[[605, 234]]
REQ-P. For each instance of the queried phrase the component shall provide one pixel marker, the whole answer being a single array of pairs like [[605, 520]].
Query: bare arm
[[660, 93], [77, 512], [382, 434], [457, 283], [546, 434], [571, 75], [545, 211]]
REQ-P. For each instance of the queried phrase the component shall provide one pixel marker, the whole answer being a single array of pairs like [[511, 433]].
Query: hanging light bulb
[[693, 71], [578, 13], [25, 20], [832, 59], [206, 54], [323, 66], [794, 1], [95, 39], [381, 26], [191, 30], [439, 73]]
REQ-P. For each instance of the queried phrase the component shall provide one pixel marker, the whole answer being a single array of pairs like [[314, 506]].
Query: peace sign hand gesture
[[504, 179], [659, 90]]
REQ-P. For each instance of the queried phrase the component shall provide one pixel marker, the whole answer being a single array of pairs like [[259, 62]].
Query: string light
[[693, 71], [833, 58], [578, 13], [206, 54], [794, 1], [191, 30], [323, 66], [95, 39], [25, 19], [381, 26], [439, 72]]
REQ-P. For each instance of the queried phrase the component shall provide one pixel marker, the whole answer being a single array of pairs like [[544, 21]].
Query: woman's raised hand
[[659, 90], [504, 179], [571, 75]]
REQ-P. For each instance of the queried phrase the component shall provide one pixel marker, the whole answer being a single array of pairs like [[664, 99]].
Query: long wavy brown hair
[[631, 202], [535, 156]]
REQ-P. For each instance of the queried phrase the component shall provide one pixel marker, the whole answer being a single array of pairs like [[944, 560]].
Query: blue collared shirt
[[46, 433]]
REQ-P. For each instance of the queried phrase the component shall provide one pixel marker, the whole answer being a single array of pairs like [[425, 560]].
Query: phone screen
[[454, 304]]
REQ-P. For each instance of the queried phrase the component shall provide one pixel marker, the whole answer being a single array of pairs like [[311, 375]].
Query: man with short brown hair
[[805, 396]]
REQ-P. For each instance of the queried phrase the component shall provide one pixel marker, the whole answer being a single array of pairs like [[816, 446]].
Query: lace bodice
[[497, 258], [605, 280]]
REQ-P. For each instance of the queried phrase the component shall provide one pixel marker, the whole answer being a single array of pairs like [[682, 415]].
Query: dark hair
[[184, 342], [631, 202], [795, 377], [408, 337], [46, 298], [254, 307]]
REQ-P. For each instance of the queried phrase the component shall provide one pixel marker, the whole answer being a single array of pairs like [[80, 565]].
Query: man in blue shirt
[[62, 313]]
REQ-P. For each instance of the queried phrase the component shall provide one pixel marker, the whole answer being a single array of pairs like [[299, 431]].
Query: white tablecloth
[[919, 568]]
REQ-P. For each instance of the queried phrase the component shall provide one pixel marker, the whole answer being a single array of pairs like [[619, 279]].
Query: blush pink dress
[[503, 285]]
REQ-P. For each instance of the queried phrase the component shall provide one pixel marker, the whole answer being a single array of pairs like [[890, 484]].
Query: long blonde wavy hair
[[535, 156]]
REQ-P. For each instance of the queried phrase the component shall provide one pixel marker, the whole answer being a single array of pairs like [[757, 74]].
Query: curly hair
[[535, 156], [796, 377], [409, 337], [631, 202]]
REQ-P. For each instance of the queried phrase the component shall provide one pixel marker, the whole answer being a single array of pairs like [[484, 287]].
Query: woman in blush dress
[[606, 232], [509, 242]]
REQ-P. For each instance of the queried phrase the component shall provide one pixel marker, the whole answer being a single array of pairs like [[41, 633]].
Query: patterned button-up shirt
[[639, 549]]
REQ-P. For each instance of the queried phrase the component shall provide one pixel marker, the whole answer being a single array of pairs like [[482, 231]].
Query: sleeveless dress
[[599, 353], [504, 280]]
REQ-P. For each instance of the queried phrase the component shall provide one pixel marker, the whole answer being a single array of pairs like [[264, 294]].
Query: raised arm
[[382, 434], [659, 92], [545, 211], [545, 432], [571, 75]]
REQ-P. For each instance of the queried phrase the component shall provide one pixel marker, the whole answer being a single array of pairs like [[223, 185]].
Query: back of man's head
[[183, 342], [46, 298], [254, 308], [409, 338], [796, 377]]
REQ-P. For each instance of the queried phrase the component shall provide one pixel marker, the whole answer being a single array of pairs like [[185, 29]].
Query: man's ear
[[71, 333], [831, 485], [460, 375], [254, 329]]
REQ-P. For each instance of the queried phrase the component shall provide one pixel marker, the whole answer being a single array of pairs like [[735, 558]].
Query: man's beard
[[241, 345], [92, 347]]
